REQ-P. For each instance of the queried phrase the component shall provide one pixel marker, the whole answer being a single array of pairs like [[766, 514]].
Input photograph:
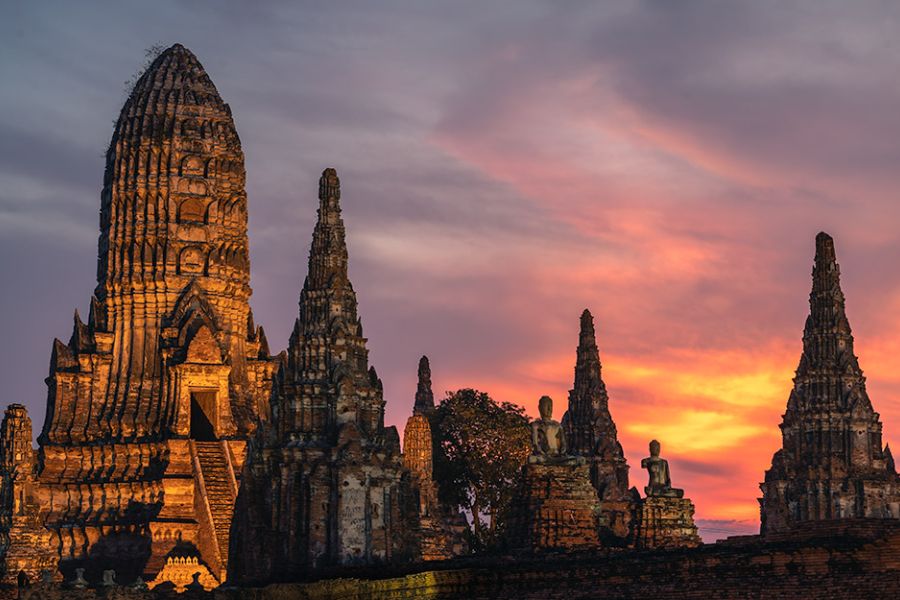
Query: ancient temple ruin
[[665, 518], [442, 531], [555, 506], [591, 433], [831, 464], [325, 483], [150, 402], [24, 542]]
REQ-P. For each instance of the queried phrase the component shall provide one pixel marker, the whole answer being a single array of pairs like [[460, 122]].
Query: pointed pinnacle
[[824, 249], [424, 368], [587, 321], [424, 396], [587, 336], [329, 185]]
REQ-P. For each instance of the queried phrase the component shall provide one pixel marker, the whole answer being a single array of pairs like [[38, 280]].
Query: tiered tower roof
[[832, 464]]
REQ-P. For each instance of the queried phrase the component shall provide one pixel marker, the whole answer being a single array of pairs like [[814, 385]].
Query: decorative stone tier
[[555, 508], [179, 572], [667, 523]]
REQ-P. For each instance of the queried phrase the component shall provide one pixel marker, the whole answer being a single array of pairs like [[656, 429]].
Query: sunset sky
[[505, 165]]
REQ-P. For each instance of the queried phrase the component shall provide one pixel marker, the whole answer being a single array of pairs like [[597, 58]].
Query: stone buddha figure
[[660, 484], [548, 440]]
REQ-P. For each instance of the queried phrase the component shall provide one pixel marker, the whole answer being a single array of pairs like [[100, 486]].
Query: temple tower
[[831, 464], [325, 483], [441, 530], [24, 543], [150, 401], [591, 433], [417, 439]]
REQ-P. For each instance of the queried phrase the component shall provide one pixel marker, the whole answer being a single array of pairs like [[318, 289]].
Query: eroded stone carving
[[548, 440], [665, 518], [660, 480], [555, 506]]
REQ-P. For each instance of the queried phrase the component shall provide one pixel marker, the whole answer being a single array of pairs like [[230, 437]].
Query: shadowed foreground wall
[[848, 559]]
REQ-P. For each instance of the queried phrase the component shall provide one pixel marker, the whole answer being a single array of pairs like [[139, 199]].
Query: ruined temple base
[[667, 523], [29, 549], [443, 537], [555, 508]]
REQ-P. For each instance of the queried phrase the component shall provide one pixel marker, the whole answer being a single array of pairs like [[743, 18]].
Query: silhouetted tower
[[832, 464], [591, 433]]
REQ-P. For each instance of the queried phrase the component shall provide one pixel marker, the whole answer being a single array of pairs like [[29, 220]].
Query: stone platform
[[667, 523], [555, 508]]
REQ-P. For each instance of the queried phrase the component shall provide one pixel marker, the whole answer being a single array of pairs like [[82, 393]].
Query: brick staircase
[[217, 479]]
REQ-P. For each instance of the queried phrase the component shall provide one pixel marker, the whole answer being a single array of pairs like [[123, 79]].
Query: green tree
[[480, 446]]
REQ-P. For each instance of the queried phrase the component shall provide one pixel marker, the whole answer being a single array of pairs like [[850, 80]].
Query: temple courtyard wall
[[857, 558]]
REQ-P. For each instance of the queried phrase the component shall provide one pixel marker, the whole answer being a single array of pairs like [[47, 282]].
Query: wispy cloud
[[505, 166]]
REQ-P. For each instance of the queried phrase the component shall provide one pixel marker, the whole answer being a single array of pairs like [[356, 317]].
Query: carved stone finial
[[79, 583], [109, 578], [329, 185], [424, 396]]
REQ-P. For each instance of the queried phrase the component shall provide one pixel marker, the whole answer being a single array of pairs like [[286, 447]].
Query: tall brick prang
[[150, 402], [325, 483], [591, 433], [831, 464], [441, 530]]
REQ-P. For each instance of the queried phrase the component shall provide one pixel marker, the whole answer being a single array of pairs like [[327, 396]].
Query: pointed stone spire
[[589, 394], [831, 435], [590, 430], [827, 339], [588, 398], [325, 345], [263, 342], [424, 396], [827, 344], [80, 341], [328, 254], [96, 320]]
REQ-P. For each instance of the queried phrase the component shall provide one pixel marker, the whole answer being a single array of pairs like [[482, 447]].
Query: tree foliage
[[480, 446]]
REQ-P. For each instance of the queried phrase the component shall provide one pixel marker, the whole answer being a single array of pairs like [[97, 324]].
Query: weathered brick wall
[[852, 560]]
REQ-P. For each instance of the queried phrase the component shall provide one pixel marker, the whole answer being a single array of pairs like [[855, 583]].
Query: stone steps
[[219, 493]]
